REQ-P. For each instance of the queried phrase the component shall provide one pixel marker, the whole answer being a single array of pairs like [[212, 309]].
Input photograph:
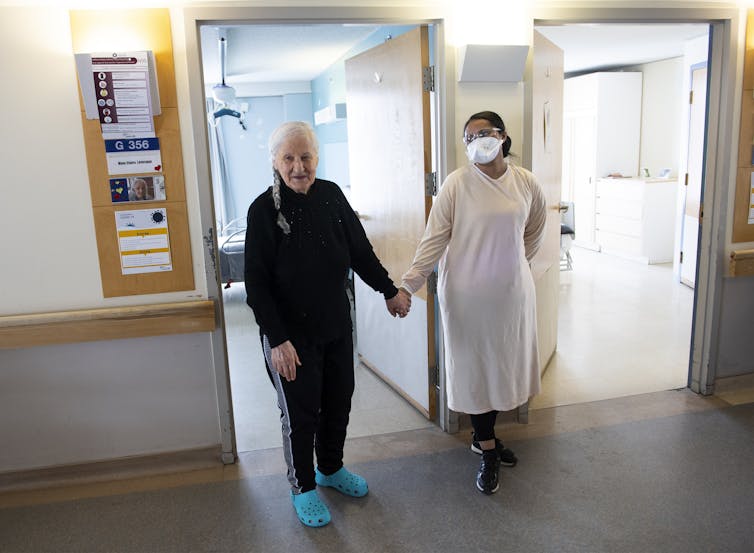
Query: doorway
[[625, 318], [239, 122]]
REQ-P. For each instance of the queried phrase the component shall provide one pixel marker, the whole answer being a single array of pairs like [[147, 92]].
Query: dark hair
[[497, 122]]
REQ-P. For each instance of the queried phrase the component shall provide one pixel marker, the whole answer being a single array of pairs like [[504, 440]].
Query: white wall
[[48, 250], [662, 104], [51, 262], [97, 400], [506, 99], [102, 400]]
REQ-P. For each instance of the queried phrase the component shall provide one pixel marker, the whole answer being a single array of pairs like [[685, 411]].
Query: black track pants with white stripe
[[314, 408]]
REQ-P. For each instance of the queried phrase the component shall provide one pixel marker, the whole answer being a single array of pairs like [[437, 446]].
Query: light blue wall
[[247, 152], [298, 107]]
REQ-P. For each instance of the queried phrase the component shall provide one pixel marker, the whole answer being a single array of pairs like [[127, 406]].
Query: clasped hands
[[400, 304], [285, 358]]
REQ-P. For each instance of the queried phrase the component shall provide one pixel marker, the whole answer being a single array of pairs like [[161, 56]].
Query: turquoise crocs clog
[[310, 509], [343, 481]]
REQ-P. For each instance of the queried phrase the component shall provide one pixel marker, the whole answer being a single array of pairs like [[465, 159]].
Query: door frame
[[720, 157], [443, 147], [692, 69]]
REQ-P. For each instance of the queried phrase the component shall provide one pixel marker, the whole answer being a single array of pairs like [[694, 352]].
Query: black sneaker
[[507, 457], [487, 477]]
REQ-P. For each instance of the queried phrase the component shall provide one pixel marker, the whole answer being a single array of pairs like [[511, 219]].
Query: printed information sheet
[[124, 102], [143, 241]]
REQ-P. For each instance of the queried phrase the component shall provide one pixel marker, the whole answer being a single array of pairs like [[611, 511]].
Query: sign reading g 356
[[132, 145]]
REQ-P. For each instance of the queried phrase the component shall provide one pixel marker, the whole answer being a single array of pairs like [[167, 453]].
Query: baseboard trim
[[112, 470]]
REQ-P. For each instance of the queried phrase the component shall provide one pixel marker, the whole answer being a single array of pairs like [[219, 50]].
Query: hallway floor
[[662, 472], [624, 328], [634, 462]]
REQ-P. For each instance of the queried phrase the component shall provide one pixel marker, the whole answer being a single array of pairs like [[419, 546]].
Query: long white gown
[[486, 231]]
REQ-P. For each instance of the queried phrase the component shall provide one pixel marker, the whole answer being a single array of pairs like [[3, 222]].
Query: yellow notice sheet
[[143, 241]]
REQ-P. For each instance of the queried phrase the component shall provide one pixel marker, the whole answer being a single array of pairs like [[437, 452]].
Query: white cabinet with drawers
[[635, 218], [601, 137]]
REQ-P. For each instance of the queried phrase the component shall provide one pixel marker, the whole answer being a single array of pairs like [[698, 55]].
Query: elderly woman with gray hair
[[301, 240]]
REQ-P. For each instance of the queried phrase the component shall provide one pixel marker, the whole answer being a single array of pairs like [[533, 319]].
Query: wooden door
[[694, 168], [545, 129], [389, 150]]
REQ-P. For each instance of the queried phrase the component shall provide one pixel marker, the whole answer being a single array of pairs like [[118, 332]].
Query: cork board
[[134, 30], [742, 230]]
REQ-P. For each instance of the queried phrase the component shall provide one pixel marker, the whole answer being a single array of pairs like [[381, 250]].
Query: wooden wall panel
[[43, 329], [167, 129], [117, 284], [748, 83], [742, 230], [145, 29]]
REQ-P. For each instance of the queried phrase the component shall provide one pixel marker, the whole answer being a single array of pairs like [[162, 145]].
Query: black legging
[[314, 408], [484, 426]]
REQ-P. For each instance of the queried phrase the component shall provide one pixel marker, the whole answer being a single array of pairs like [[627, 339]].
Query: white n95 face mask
[[484, 149]]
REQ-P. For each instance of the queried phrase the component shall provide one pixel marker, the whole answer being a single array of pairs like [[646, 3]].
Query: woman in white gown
[[485, 227]]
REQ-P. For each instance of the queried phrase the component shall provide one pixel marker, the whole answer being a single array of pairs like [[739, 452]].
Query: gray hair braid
[[281, 221]]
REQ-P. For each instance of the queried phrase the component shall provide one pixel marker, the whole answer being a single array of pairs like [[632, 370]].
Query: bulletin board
[[143, 29], [743, 211]]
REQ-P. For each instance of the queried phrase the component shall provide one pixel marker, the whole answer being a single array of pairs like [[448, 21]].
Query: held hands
[[285, 360], [399, 304]]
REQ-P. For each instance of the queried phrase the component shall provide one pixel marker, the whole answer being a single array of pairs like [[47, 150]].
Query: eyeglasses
[[469, 138]]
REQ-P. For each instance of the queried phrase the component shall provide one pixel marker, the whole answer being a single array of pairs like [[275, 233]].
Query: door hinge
[[691, 96], [681, 258], [430, 184], [686, 180], [432, 283], [428, 78], [435, 372], [701, 213]]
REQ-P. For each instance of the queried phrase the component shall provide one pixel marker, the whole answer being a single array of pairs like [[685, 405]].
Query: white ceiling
[[297, 53], [278, 53], [593, 46]]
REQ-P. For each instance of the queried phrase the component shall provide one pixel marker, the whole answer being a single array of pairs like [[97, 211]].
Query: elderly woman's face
[[140, 189], [297, 163]]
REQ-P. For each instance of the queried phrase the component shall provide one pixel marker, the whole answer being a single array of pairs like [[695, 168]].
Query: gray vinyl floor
[[616, 457], [679, 483]]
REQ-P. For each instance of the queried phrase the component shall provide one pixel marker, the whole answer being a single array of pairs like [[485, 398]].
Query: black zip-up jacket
[[296, 283]]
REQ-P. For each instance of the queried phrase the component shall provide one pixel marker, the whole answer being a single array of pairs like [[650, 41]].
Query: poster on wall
[[751, 200], [143, 241], [137, 188], [123, 94]]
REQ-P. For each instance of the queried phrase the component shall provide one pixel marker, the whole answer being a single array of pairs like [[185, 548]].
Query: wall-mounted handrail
[[741, 263], [63, 327]]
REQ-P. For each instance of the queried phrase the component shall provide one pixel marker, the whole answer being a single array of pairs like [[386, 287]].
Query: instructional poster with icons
[[143, 241], [122, 89], [124, 105]]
